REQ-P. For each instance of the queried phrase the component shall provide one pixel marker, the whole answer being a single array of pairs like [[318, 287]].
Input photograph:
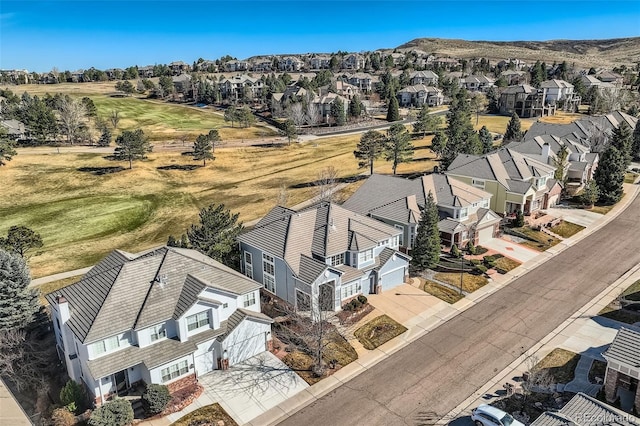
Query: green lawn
[[566, 229], [630, 177], [541, 241]]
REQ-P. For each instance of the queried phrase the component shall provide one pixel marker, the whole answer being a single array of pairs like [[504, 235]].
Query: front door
[[121, 381]]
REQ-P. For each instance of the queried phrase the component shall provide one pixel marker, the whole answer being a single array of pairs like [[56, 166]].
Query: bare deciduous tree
[[313, 114], [114, 118], [326, 184], [23, 359], [296, 114], [73, 114]]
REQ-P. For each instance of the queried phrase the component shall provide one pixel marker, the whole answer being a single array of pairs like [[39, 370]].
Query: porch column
[[610, 384], [637, 404]]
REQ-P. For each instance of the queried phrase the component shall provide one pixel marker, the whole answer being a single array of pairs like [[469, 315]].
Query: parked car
[[486, 415]]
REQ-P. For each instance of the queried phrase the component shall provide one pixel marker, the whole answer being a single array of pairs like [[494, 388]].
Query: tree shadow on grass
[[348, 179], [183, 167], [101, 170]]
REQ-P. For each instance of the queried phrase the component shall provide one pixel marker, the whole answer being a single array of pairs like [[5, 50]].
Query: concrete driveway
[[249, 389], [507, 248], [578, 216]]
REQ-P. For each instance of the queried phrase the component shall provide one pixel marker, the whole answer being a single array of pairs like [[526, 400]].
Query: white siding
[[249, 338]]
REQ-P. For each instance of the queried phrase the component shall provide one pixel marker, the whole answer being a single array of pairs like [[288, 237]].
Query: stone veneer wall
[[610, 384]]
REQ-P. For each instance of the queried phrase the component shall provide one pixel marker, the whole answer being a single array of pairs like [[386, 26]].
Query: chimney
[[63, 308], [546, 151]]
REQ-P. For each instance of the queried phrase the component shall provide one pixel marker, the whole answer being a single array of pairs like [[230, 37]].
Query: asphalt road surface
[[427, 379]]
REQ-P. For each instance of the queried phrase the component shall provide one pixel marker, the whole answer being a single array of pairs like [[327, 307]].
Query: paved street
[[428, 378]]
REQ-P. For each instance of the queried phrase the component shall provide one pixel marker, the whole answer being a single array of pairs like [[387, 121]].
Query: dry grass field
[[82, 216]]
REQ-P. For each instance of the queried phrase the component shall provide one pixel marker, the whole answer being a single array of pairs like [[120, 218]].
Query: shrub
[[355, 304], [490, 263], [480, 269], [115, 413], [362, 299], [155, 399], [72, 396], [346, 307], [455, 251], [471, 248], [475, 262], [481, 250], [62, 417], [519, 220]]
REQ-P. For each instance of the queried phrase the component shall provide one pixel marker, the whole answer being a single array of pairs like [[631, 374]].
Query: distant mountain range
[[584, 53]]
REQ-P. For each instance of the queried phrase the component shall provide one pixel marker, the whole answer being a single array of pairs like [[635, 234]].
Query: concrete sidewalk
[[429, 319]]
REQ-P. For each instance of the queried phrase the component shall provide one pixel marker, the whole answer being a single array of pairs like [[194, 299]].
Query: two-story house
[[580, 162], [179, 67], [322, 256], [623, 366], [234, 88], [353, 61], [290, 63], [419, 95], [463, 209], [526, 101], [320, 62], [517, 182], [476, 83], [560, 92], [428, 78], [163, 316], [361, 80]]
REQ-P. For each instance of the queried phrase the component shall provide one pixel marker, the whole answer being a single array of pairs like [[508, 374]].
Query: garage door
[[246, 348], [206, 362], [485, 234], [553, 201], [392, 279]]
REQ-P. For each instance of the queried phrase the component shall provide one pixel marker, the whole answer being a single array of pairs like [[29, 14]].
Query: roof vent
[[162, 279]]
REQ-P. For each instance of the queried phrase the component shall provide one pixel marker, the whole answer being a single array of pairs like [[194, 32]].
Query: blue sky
[[39, 35]]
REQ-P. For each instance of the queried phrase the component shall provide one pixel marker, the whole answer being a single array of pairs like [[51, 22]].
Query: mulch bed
[[351, 317]]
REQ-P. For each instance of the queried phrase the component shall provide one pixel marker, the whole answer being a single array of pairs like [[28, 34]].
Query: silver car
[[486, 415]]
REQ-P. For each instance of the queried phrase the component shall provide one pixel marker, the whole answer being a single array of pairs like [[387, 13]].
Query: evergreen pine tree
[[514, 129], [369, 149], [18, 302], [215, 235], [461, 138], [393, 112], [398, 147], [337, 112], [609, 175], [203, 149], [425, 122], [438, 144], [426, 248], [635, 144], [485, 139], [623, 140]]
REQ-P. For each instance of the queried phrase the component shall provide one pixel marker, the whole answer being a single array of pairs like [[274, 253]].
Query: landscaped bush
[[155, 399], [480, 269], [73, 397], [115, 413], [62, 417], [355, 304], [481, 250], [346, 307], [455, 251], [476, 262], [471, 248], [362, 299]]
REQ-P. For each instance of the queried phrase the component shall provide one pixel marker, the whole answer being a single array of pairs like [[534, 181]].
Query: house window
[[485, 203], [337, 260], [248, 264], [477, 183], [158, 332], [365, 256], [106, 345], [401, 236], [198, 320], [412, 236], [268, 276], [349, 290], [463, 213], [395, 241], [175, 370], [225, 305], [249, 299]]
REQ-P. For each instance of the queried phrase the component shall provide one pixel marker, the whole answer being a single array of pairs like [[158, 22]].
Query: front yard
[[470, 283], [505, 264], [536, 240], [208, 415], [560, 365], [566, 229], [378, 331], [441, 292], [617, 312]]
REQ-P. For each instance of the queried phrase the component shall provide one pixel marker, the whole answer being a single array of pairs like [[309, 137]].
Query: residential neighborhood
[[257, 227]]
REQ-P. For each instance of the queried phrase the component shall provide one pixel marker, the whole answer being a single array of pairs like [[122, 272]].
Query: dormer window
[[365, 256], [198, 320], [337, 260], [463, 213], [478, 183], [158, 332]]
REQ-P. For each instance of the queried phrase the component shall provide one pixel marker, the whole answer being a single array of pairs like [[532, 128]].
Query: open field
[[82, 216], [161, 121]]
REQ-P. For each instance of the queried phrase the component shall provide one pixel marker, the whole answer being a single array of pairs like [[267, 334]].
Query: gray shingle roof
[[510, 168], [582, 410], [142, 290], [238, 316], [625, 348]]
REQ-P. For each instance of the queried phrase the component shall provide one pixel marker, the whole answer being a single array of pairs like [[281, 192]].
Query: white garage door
[[553, 201], [206, 362], [485, 234], [246, 348]]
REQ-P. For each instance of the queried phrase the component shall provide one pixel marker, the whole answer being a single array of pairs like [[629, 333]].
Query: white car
[[486, 415]]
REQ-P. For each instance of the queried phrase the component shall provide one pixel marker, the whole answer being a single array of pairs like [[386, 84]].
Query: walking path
[[581, 382]]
